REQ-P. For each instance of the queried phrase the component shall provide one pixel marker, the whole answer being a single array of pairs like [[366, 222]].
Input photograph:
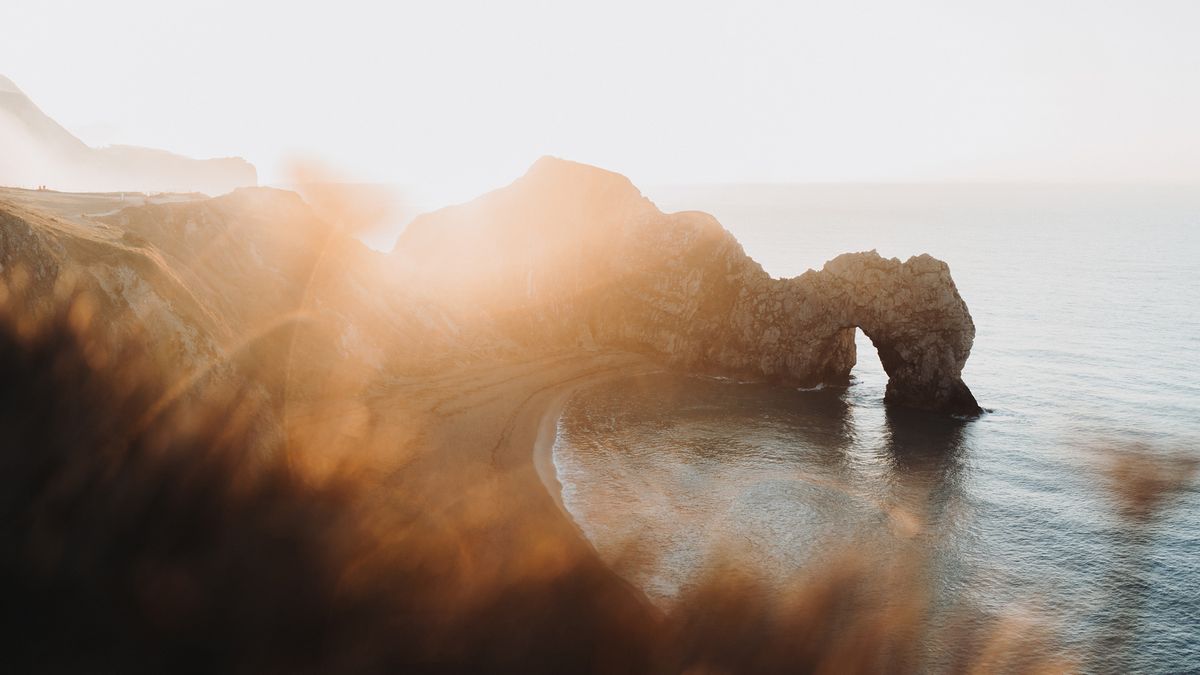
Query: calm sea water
[[1087, 307]]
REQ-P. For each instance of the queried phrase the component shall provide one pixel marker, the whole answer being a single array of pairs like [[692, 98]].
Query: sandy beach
[[478, 459], [547, 429], [543, 446]]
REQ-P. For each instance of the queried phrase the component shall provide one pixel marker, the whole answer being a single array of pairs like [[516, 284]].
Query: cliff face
[[571, 254], [252, 280], [247, 292], [134, 286], [260, 259]]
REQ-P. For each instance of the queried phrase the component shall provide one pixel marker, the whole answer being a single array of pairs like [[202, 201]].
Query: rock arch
[[913, 315]]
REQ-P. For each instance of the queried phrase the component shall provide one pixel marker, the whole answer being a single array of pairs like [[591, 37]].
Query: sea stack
[[570, 255]]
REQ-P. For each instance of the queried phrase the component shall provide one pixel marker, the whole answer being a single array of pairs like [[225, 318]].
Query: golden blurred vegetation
[[139, 532]]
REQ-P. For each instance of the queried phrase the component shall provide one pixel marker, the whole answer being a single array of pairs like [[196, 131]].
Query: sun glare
[[599, 337]]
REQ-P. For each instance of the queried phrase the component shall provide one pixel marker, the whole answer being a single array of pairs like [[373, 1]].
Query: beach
[[477, 461]]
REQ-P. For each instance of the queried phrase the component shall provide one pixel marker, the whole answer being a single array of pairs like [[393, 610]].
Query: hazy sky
[[457, 96]]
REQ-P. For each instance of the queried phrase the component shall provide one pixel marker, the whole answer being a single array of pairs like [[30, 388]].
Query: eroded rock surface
[[572, 254]]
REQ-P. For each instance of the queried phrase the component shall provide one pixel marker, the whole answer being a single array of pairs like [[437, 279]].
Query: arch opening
[[868, 366]]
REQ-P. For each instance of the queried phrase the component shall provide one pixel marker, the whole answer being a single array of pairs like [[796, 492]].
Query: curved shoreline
[[547, 433], [543, 446], [545, 436]]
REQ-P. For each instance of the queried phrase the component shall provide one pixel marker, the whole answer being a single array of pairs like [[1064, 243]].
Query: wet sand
[[547, 430]]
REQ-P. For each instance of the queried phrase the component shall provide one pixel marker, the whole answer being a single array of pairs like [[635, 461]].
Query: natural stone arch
[[913, 315]]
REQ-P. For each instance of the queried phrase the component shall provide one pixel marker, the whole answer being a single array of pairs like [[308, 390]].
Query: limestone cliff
[[573, 254]]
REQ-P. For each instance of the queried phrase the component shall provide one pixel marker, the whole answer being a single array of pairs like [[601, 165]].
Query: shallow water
[[1087, 307]]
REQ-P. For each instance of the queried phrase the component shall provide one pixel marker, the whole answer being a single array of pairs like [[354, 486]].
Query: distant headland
[[39, 151]]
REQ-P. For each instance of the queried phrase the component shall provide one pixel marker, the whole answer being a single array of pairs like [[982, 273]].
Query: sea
[[1086, 301]]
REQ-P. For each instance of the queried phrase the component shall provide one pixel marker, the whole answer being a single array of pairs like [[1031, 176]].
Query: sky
[[457, 97]]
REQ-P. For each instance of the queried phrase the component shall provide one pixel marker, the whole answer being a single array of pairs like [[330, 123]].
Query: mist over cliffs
[[39, 151]]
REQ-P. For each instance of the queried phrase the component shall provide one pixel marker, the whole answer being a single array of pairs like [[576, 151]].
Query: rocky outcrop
[[571, 254], [911, 312]]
